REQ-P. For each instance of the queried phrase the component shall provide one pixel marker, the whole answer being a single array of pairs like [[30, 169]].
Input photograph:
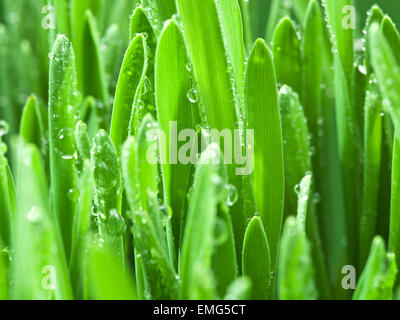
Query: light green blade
[[159, 10], [341, 23], [63, 104], [175, 113], [107, 280], [296, 145], [394, 234], [195, 262], [39, 265], [219, 105], [261, 98], [132, 71], [378, 277], [256, 259], [78, 12], [287, 56], [159, 280], [140, 24], [232, 32], [78, 262], [240, 289], [107, 194], [295, 268]]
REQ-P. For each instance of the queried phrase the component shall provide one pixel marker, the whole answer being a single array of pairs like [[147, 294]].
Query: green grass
[[85, 213]]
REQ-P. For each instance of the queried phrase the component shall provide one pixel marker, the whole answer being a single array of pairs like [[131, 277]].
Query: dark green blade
[[93, 70], [372, 166]]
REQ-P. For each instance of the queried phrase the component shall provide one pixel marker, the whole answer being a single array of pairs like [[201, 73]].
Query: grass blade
[[39, 264], [377, 280], [141, 24], [202, 31], [232, 32], [342, 35], [93, 69], [295, 268], [195, 263], [394, 234], [133, 68], [63, 103], [296, 145], [78, 262], [160, 281], [261, 98], [286, 53], [387, 71], [108, 193], [256, 259], [173, 105], [78, 12], [108, 281], [372, 165], [34, 123]]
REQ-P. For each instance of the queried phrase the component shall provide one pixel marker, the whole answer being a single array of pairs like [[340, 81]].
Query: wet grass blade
[[146, 94], [387, 71], [342, 35], [39, 264], [7, 112], [224, 261], [196, 255], [256, 259], [378, 277], [232, 32], [394, 234], [160, 10], [375, 15], [158, 278], [296, 145], [312, 60], [107, 194], [392, 36], [261, 98], [132, 70], [295, 268], [78, 262], [219, 108], [173, 105], [287, 56], [63, 104], [372, 165]]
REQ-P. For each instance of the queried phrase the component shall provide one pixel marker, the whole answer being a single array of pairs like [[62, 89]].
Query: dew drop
[[232, 195], [193, 95]]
